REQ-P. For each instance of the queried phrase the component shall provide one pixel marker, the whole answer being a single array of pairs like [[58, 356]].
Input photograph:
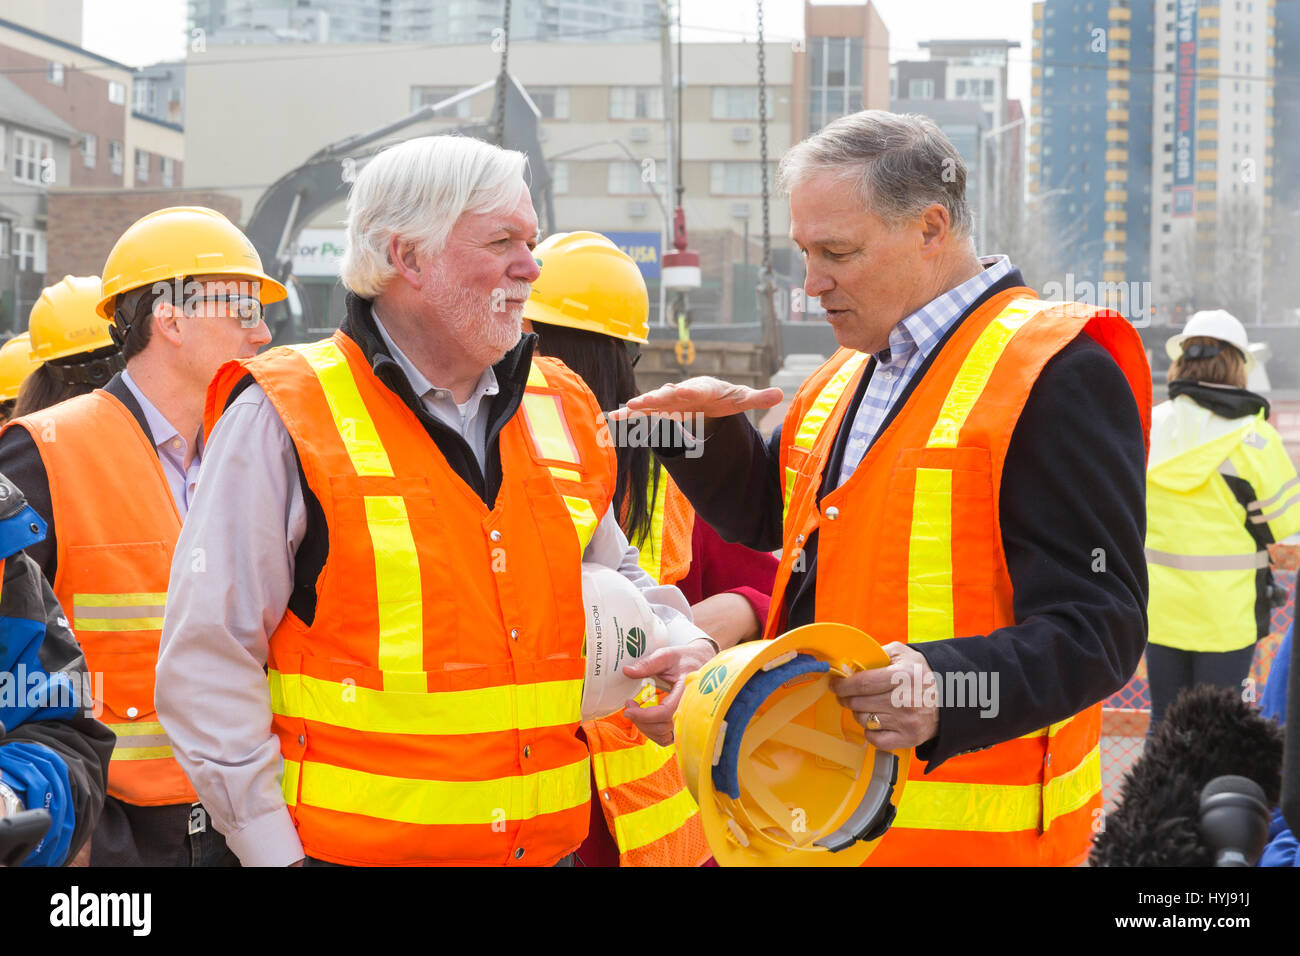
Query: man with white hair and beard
[[392, 523]]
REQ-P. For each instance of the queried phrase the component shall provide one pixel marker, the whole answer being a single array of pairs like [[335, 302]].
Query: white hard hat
[[621, 628], [1214, 324]]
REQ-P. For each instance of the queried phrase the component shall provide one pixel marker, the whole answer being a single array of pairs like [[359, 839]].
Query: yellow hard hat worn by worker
[[783, 774], [172, 244], [65, 325], [16, 363], [589, 283]]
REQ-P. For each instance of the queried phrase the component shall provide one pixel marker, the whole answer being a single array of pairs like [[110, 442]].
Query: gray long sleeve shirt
[[231, 580]]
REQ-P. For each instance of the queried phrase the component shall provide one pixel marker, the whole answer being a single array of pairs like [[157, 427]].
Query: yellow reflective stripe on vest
[[614, 768], [814, 420], [432, 802], [974, 374], [929, 558], [643, 827], [134, 611], [351, 417], [545, 416], [930, 615], [650, 552], [1074, 788], [998, 808], [400, 608], [584, 519], [482, 711], [400, 595], [145, 740]]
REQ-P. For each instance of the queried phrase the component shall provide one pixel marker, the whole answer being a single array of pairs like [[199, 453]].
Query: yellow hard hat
[[589, 283], [64, 321], [782, 773], [16, 363], [182, 241]]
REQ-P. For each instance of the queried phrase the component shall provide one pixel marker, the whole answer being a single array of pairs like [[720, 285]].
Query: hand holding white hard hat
[[621, 629], [1215, 324]]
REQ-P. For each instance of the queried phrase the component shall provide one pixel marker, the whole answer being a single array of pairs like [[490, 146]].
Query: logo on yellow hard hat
[[713, 679]]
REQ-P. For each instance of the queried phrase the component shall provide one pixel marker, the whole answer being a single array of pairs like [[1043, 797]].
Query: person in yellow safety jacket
[[112, 473], [1220, 489], [16, 366], [72, 343], [590, 308]]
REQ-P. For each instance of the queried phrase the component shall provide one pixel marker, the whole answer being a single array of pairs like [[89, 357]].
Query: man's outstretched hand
[[710, 397]]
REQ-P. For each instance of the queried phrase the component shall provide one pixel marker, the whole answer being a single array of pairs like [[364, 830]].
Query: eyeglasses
[[633, 351], [248, 309]]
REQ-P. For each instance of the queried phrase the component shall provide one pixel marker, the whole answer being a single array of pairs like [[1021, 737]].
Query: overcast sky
[[154, 30]]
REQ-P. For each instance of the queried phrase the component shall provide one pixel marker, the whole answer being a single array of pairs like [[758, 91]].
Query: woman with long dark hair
[[590, 309]]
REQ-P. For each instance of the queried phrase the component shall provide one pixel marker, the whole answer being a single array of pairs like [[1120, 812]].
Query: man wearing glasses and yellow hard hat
[[113, 472]]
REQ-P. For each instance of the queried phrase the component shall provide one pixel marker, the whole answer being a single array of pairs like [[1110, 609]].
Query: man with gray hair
[[963, 480], [392, 522]]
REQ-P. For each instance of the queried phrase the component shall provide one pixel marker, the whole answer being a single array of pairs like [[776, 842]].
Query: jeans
[[128, 835]]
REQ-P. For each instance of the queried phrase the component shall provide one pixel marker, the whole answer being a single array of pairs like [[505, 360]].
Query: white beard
[[482, 333]]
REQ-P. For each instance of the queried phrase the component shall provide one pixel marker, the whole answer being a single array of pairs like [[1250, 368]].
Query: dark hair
[[139, 316], [6, 410], [602, 361], [45, 386], [1228, 367]]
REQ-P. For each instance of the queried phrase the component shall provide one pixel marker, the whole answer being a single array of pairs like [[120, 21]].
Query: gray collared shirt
[[231, 579], [171, 446]]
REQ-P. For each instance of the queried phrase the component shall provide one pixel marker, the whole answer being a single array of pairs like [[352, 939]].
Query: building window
[[168, 170], [142, 165], [624, 179], [145, 97], [636, 102], [422, 96], [33, 155], [89, 149], [961, 88], [988, 88], [738, 102], [29, 250], [115, 157], [54, 73], [835, 79], [924, 89], [559, 177], [552, 101], [116, 92], [736, 179]]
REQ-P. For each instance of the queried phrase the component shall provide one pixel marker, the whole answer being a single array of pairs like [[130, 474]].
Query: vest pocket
[[115, 599], [940, 508]]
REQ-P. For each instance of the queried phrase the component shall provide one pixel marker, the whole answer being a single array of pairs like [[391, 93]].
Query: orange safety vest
[[665, 555], [116, 525], [428, 713], [909, 550]]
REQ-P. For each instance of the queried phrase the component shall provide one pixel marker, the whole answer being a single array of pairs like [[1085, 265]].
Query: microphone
[[1234, 820], [1209, 735]]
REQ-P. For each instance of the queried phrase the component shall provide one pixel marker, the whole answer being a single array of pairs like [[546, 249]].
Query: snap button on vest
[[514, 634], [832, 513], [495, 535], [519, 853], [131, 711]]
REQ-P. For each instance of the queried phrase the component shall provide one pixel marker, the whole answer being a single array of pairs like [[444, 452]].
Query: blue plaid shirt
[[910, 343]]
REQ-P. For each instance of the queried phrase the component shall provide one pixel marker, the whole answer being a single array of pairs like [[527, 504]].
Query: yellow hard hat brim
[[269, 290], [802, 763]]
